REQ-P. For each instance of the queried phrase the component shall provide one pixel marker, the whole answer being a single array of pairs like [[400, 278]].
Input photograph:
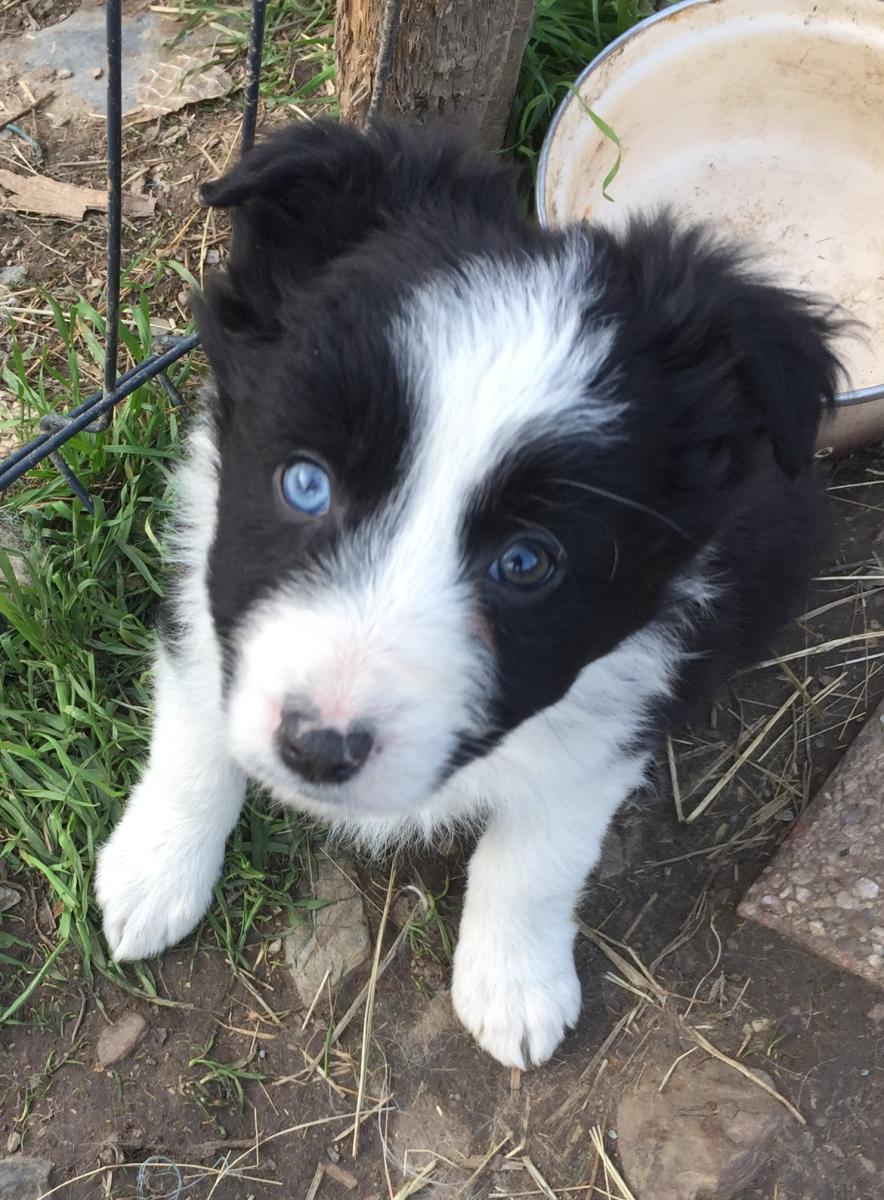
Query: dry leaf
[[50, 198]]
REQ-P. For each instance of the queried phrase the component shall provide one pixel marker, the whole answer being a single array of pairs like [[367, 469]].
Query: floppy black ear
[[316, 189], [740, 359]]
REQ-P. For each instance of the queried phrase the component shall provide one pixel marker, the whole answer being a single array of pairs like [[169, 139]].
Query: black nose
[[321, 754]]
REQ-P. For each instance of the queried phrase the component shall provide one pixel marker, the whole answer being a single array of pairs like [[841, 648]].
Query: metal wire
[[93, 414], [114, 27], [253, 85]]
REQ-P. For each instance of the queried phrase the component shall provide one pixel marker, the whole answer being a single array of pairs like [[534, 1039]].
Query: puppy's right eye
[[307, 488], [528, 563]]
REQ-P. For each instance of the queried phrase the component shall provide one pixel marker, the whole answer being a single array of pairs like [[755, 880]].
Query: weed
[[428, 928], [219, 1087], [567, 34]]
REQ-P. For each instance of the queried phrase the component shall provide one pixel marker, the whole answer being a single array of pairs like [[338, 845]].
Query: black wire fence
[[93, 415]]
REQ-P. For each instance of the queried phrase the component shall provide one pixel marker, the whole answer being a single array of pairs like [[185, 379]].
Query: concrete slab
[[162, 70], [825, 887]]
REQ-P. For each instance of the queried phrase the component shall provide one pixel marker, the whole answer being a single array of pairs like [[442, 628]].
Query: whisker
[[635, 504]]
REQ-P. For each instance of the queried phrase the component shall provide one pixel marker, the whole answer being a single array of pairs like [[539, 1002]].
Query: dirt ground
[[666, 890]]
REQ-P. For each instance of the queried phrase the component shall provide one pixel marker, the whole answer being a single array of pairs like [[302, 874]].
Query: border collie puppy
[[477, 510]]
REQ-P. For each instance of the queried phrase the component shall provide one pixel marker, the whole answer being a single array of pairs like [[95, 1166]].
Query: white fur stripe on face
[[494, 357], [497, 356]]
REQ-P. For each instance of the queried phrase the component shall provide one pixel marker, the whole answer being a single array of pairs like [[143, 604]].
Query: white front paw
[[517, 997], [154, 881]]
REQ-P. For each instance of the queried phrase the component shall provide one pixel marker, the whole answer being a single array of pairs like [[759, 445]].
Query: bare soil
[[666, 890]]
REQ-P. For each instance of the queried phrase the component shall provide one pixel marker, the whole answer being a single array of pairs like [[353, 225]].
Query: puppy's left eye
[[527, 564], [307, 487]]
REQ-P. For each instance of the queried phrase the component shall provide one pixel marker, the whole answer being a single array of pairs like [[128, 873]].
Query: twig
[[538, 1178], [315, 1183], [743, 757], [417, 1181], [673, 777], [598, 1141], [706, 1045], [369, 1006], [15, 117], [492, 1153]]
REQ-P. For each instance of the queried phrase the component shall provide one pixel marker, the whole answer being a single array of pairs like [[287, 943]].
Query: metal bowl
[[765, 118]]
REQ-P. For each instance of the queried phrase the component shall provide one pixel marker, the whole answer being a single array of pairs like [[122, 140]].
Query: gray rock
[[16, 548], [121, 1038], [14, 274], [705, 1137], [23, 1178], [334, 939]]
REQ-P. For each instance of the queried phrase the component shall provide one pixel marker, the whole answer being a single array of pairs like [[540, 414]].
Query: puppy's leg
[[515, 987], [156, 873]]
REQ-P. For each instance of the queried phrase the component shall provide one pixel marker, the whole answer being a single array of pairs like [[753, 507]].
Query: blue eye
[[307, 488], [526, 564]]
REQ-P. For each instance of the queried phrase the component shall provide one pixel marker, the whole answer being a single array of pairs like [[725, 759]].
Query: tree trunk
[[455, 61]]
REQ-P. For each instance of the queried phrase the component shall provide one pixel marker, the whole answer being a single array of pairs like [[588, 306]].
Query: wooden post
[[455, 61]]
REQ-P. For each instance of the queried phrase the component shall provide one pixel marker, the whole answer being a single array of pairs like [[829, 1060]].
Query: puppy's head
[[461, 458]]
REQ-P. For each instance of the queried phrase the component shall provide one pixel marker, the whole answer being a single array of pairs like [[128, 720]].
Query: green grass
[[298, 58], [74, 658], [567, 34], [74, 673], [217, 1087]]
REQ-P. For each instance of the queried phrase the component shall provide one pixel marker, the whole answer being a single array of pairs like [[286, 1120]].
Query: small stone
[[24, 1178], [16, 547], [275, 946], [333, 942], [846, 901], [14, 274], [121, 1038], [9, 897], [64, 73], [213, 257], [875, 960], [768, 901], [708, 1134], [97, 72], [13, 1142], [865, 889], [802, 894]]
